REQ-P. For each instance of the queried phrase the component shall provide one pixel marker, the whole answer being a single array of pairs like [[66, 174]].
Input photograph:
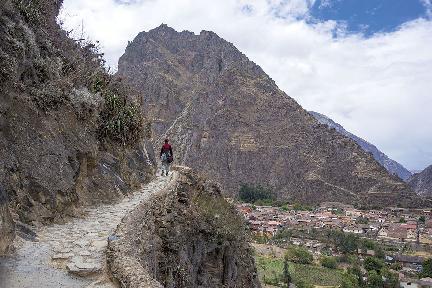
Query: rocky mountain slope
[[392, 166], [229, 120], [7, 227], [422, 182], [186, 236], [70, 135]]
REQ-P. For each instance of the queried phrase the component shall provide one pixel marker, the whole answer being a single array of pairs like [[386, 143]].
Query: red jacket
[[166, 148]]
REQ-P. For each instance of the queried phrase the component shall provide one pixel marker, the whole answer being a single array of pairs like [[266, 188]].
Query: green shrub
[[427, 268], [345, 242], [286, 275], [299, 255], [283, 234], [362, 220], [396, 266], [120, 122], [367, 244], [253, 194], [391, 279], [264, 202], [379, 252], [375, 280], [349, 281], [261, 239], [329, 262], [98, 82], [373, 264], [356, 271]]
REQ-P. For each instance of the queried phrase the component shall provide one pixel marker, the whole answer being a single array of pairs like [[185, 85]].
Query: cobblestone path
[[72, 254]]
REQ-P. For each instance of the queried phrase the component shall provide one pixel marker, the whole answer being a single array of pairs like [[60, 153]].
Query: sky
[[367, 64]]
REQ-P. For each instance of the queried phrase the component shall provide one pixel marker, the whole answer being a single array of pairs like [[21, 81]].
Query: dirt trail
[[72, 254]]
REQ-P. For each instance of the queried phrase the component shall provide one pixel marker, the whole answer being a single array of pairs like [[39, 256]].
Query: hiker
[[166, 156]]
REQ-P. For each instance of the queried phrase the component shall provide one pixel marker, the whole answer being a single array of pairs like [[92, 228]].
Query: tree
[[374, 280], [396, 266], [373, 264], [368, 244], [391, 279], [379, 252], [347, 243], [283, 234], [286, 274], [362, 220], [357, 273], [427, 268], [422, 219], [329, 262], [349, 281], [252, 194], [299, 255]]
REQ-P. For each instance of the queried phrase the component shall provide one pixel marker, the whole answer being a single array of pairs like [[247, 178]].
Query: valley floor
[[72, 254]]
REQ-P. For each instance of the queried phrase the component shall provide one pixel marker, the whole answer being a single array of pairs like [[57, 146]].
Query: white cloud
[[379, 87], [428, 5]]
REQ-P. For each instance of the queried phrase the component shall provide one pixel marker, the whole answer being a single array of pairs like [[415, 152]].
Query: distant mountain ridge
[[391, 165], [422, 182]]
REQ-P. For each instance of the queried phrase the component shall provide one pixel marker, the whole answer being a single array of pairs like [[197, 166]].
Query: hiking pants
[[165, 166]]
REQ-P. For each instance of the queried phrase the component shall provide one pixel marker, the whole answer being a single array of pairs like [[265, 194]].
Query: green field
[[270, 269]]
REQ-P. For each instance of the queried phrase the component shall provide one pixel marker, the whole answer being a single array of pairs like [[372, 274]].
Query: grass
[[270, 268]]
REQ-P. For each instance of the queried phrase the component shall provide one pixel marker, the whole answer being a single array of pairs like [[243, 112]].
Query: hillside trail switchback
[[73, 254]]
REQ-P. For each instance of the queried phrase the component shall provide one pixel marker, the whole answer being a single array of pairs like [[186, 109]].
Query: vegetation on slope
[[39, 59]]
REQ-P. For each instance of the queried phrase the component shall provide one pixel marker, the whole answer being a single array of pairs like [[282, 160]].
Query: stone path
[[72, 254]]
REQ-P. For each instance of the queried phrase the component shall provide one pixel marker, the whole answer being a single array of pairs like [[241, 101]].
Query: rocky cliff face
[[187, 236], [422, 182], [69, 133], [7, 229], [229, 120], [392, 166]]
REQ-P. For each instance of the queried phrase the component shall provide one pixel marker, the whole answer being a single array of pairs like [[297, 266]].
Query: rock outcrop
[[70, 135], [229, 120], [391, 165], [422, 182], [7, 228], [185, 236]]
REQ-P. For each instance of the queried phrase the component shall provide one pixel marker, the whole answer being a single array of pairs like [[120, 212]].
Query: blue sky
[[364, 63], [369, 16]]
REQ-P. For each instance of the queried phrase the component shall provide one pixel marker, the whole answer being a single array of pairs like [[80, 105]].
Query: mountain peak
[[392, 166], [162, 30], [422, 182], [227, 119]]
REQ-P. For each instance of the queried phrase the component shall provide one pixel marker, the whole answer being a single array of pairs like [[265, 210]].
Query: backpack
[[166, 156]]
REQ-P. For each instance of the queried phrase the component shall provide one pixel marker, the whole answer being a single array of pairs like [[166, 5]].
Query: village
[[406, 233], [392, 224]]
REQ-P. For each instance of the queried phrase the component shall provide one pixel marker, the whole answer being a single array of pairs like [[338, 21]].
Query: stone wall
[[185, 236]]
